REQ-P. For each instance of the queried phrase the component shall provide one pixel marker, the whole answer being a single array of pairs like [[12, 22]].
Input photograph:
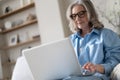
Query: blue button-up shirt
[[99, 47]]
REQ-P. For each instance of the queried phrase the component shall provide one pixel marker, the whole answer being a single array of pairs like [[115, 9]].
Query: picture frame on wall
[[13, 40], [23, 37]]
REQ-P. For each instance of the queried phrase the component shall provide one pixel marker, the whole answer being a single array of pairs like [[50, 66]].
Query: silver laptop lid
[[52, 61]]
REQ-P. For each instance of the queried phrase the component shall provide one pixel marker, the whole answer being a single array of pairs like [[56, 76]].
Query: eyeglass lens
[[80, 14]]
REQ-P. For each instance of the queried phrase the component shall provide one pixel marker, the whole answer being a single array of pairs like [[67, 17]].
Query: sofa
[[22, 71], [115, 75]]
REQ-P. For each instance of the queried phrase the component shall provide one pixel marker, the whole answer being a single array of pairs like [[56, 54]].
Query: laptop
[[52, 61]]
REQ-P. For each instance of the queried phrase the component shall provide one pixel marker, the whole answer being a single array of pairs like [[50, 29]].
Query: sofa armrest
[[21, 70], [115, 75]]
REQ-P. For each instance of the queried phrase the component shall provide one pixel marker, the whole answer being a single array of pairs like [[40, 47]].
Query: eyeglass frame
[[80, 14]]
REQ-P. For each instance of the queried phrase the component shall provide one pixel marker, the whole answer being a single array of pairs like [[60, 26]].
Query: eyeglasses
[[80, 14]]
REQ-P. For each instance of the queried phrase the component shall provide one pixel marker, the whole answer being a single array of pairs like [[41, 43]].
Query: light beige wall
[[50, 18], [1, 75], [1, 72], [63, 5], [1, 52], [107, 11]]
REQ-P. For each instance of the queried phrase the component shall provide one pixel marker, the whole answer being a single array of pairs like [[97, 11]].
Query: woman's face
[[79, 16]]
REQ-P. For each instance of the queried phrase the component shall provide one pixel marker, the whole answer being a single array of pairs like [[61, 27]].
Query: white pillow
[[21, 70], [115, 75]]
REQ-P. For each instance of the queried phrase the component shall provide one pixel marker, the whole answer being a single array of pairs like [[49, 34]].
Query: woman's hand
[[94, 68]]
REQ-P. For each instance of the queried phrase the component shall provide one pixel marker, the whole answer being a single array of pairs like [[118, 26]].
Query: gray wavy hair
[[91, 13]]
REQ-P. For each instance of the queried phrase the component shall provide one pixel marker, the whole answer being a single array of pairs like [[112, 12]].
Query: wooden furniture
[[20, 44], [17, 10], [25, 25]]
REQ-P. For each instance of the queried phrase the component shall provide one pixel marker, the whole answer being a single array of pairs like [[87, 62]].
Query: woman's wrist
[[99, 68]]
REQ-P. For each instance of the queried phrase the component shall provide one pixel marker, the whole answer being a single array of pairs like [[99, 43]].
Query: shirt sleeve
[[111, 42]]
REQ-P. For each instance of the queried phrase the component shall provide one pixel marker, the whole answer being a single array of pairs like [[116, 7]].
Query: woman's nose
[[77, 18]]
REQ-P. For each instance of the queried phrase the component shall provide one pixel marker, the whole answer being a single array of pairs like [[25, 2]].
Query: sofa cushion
[[21, 70], [115, 75]]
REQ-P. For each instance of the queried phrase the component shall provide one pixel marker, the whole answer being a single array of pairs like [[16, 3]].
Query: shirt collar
[[94, 31]]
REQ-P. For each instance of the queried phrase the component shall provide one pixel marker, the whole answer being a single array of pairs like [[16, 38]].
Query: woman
[[97, 48]]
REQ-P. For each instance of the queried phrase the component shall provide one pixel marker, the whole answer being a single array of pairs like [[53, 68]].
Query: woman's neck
[[85, 31]]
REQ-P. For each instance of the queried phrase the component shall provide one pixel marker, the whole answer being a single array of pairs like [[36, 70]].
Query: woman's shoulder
[[109, 34], [107, 31]]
